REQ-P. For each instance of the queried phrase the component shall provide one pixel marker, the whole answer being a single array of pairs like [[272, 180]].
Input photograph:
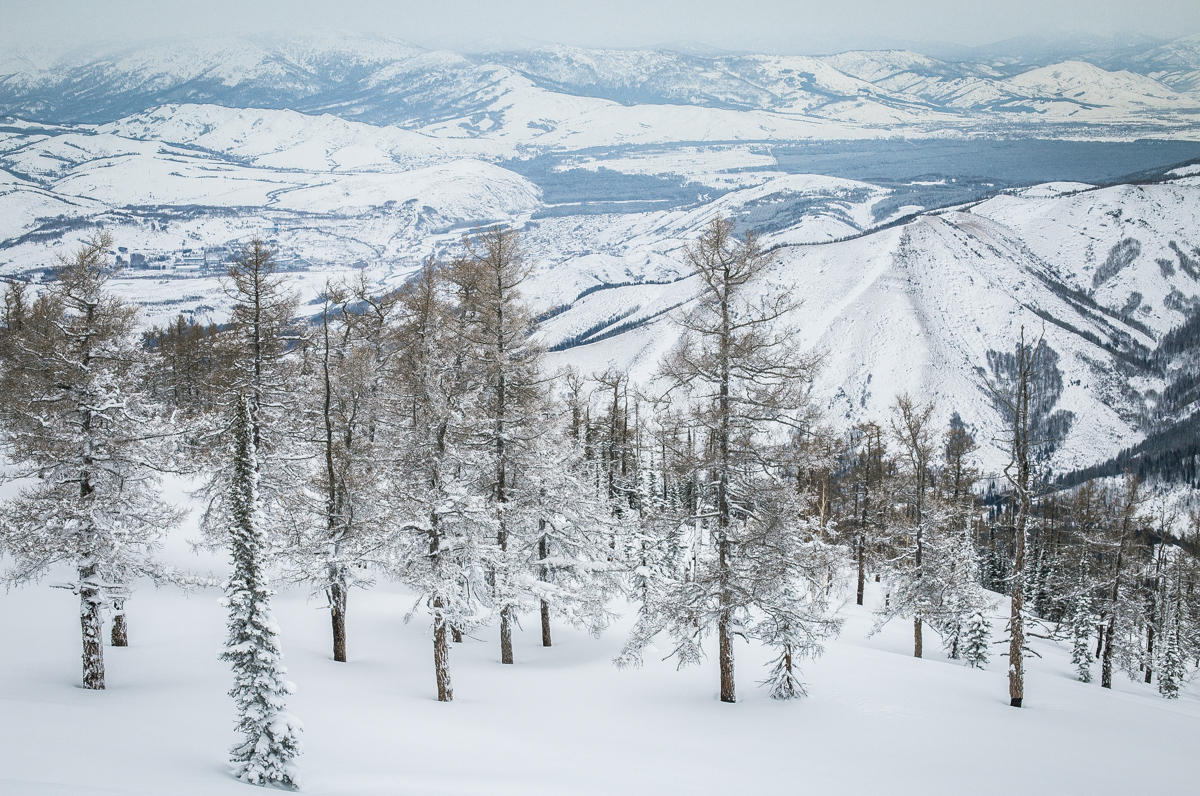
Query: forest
[[419, 435]]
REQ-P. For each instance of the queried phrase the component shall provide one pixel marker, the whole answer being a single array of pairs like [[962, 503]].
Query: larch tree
[[966, 603], [77, 421], [1122, 606], [915, 591], [441, 542], [1025, 385], [494, 333], [933, 576], [868, 501], [259, 354], [344, 407], [735, 385]]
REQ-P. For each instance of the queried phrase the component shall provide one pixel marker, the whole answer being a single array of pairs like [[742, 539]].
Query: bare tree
[[735, 397], [1025, 385]]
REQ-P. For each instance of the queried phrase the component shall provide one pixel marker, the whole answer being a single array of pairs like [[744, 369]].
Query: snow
[[284, 139], [1085, 84], [916, 309], [1048, 189], [561, 720], [1186, 171]]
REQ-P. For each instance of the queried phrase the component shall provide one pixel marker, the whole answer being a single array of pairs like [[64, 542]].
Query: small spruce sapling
[[976, 640]]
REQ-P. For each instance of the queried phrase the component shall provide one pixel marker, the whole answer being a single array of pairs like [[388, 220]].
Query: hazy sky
[[775, 25]]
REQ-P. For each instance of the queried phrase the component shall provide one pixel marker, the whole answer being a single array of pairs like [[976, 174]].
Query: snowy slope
[[286, 139], [916, 309], [1175, 64], [561, 720], [86, 172], [1077, 235], [1055, 88]]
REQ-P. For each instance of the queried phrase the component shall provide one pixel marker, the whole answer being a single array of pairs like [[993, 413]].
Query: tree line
[[418, 434]]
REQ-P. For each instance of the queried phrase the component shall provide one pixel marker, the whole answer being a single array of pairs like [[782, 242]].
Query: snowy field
[[562, 720]]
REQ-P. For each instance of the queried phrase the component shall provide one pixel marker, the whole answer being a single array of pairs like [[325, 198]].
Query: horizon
[[939, 29]]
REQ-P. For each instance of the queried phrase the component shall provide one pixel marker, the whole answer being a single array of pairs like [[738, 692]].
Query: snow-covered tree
[[977, 639], [259, 357], [344, 407], [441, 539], [1118, 540], [271, 734], [77, 422], [734, 396], [1025, 386], [868, 503], [1083, 621], [914, 588], [510, 410]]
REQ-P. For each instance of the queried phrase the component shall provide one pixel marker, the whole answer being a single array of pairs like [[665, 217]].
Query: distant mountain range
[[382, 81]]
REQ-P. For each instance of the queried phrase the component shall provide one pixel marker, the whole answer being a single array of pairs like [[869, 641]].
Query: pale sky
[[767, 25]]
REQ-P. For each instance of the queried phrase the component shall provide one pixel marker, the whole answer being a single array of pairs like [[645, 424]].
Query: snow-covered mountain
[[383, 81], [1102, 273], [923, 209]]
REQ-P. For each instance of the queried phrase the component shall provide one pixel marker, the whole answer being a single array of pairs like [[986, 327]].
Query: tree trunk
[[93, 630], [1149, 651], [543, 553], [506, 655], [1107, 660], [862, 572], [1099, 637], [441, 653], [337, 615], [1016, 647], [120, 632], [455, 635], [917, 637], [545, 624], [726, 655]]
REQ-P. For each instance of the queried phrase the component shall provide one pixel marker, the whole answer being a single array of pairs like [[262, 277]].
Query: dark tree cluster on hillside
[[418, 434]]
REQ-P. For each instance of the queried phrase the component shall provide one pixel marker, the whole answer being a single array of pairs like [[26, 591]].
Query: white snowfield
[[561, 720]]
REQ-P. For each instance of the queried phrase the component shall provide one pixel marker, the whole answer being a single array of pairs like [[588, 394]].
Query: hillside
[[555, 721]]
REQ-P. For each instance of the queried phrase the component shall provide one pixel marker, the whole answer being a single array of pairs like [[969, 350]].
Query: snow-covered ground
[[562, 720]]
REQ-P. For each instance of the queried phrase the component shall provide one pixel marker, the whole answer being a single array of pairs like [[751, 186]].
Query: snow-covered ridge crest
[[392, 82]]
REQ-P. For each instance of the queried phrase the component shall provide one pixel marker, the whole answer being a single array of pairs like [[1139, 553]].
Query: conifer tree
[[869, 509], [1025, 386], [734, 400], [259, 353], [344, 409], [75, 415], [510, 418], [271, 734], [913, 582], [1082, 623], [440, 547], [976, 643]]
